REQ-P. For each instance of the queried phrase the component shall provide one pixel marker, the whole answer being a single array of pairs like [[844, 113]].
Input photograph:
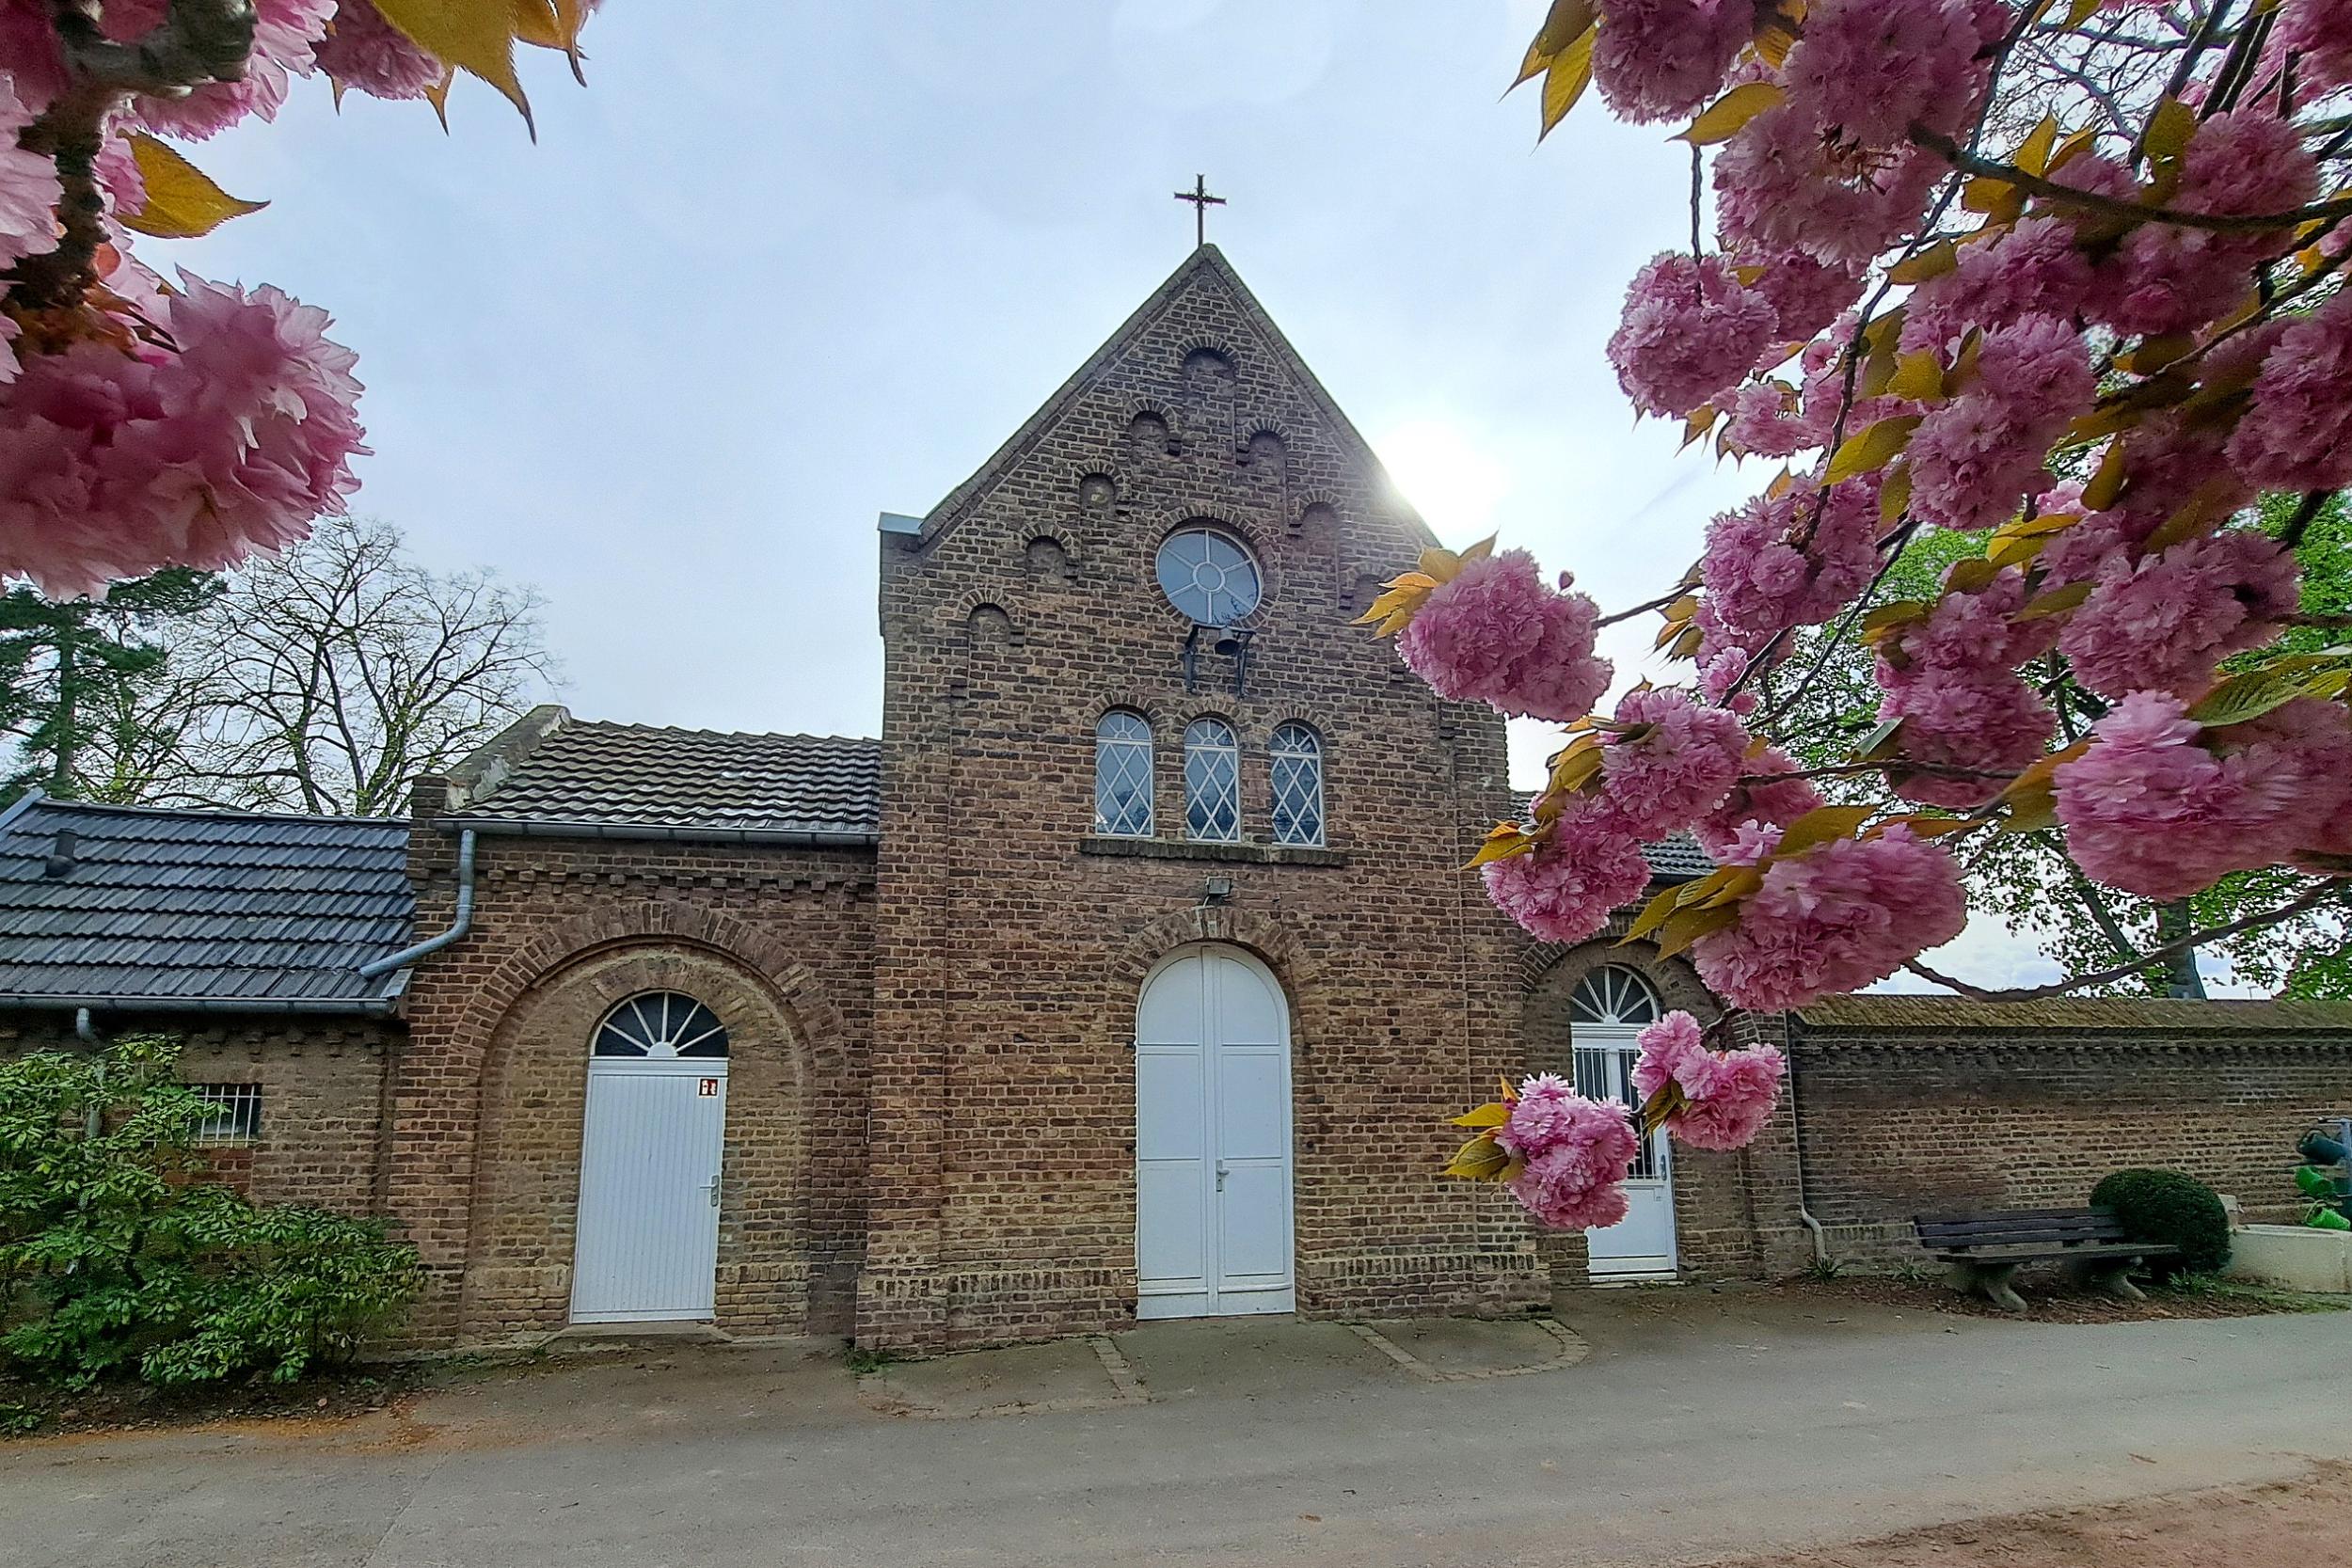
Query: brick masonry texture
[[930, 1130]]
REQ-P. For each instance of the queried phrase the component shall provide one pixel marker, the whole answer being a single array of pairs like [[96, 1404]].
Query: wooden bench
[[1985, 1249]]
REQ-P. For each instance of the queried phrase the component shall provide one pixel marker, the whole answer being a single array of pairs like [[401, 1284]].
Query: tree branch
[[2229, 223]]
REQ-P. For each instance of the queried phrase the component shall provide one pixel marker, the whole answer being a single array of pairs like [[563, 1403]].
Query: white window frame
[[1106, 744], [1298, 746], [235, 1118], [1212, 739]]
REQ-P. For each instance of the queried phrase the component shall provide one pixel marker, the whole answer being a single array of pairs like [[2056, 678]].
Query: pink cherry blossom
[[1983, 727], [1751, 803], [364, 53], [2160, 808], [1838, 917], [1762, 574], [2320, 32], [114, 462], [1689, 330], [1496, 634], [30, 54], [29, 191], [284, 39], [2034, 269], [1679, 766], [1576, 1181], [1806, 295], [1780, 185], [1662, 60], [2164, 624], [2297, 434], [1565, 890], [1729, 1095], [1869, 69], [1544, 1116], [1973, 460]]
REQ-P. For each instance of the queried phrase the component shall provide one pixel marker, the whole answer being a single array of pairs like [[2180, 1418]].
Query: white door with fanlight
[[1606, 1013], [651, 1143], [1213, 1138]]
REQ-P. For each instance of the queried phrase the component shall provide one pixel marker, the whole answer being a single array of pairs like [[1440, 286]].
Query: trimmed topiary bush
[[2169, 1208]]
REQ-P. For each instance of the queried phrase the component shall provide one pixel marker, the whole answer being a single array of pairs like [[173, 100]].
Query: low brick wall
[[1912, 1104]]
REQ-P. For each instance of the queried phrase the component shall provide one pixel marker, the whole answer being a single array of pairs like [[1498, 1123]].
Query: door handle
[[1220, 1175], [711, 1187]]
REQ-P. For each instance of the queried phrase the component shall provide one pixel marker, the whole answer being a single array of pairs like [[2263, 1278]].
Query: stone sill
[[1189, 849]]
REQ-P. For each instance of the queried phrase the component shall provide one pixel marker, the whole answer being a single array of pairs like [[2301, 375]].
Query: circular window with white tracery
[[1208, 575], [661, 1025]]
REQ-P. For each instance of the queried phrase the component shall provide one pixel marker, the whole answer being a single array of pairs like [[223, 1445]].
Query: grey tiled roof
[[646, 776], [1677, 859], [158, 906]]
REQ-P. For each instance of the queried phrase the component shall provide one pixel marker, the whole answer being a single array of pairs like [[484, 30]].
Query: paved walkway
[[1699, 1425]]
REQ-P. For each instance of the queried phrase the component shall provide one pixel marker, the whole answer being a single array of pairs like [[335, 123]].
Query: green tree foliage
[[75, 675], [118, 1260], [2026, 880]]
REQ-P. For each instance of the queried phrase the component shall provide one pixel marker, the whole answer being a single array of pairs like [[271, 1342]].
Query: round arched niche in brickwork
[[987, 626], [1553, 974], [525, 1183], [1047, 560], [1150, 436], [1097, 493]]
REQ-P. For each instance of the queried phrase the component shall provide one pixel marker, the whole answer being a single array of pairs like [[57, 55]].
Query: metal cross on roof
[[1202, 201]]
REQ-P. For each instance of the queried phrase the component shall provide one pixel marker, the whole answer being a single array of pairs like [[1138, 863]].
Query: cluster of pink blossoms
[[1576, 1152], [1564, 890], [1689, 330], [364, 53], [1792, 559], [1496, 634], [1973, 456], [1952, 677], [2296, 432], [1728, 1096], [1845, 915], [2161, 807]]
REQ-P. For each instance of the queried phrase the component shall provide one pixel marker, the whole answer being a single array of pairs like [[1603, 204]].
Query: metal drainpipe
[[94, 1121], [458, 927], [1796, 1141]]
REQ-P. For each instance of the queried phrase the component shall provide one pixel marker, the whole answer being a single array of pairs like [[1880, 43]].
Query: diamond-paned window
[[1212, 781], [1208, 575], [660, 1024], [1123, 775], [1295, 768]]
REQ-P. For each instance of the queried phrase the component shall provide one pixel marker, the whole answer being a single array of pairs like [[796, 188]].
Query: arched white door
[[1213, 1138], [1605, 1014], [647, 1249]]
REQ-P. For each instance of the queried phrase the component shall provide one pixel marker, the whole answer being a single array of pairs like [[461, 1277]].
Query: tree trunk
[[2174, 921]]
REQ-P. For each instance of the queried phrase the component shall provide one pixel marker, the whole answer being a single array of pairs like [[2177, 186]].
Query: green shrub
[[2167, 1208], [118, 1260]]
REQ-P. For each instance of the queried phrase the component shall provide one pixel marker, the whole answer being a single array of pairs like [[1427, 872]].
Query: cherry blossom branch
[[1646, 605], [2323, 894], [1970, 163]]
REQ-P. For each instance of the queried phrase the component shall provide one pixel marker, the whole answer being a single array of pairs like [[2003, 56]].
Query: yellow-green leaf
[[2033, 153], [475, 35], [1723, 120], [1687, 926], [1895, 494], [1479, 1159], [1566, 22], [181, 200], [2169, 130], [1934, 262], [1653, 915], [1819, 826], [1493, 1113], [1506, 840], [2257, 691], [1570, 73], [2057, 601], [2107, 483], [1918, 377], [1871, 449]]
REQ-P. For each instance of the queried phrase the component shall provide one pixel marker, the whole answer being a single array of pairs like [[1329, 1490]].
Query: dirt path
[[2304, 1521]]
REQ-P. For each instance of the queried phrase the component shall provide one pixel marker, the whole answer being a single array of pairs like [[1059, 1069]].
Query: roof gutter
[[80, 1006], [660, 833], [458, 927]]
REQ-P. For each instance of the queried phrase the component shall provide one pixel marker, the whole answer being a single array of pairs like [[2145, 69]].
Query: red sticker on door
[[710, 1089]]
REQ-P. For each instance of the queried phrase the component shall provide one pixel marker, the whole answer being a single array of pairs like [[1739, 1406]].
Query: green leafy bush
[[2167, 1208], [118, 1260]]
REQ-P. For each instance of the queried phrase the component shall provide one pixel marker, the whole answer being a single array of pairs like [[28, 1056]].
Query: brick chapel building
[[1128, 974]]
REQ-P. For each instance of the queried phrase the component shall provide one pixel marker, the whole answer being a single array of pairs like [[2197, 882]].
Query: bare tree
[[327, 677]]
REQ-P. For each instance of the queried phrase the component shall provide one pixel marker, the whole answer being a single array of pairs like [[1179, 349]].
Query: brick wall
[[1010, 946], [1919, 1105], [482, 1163], [322, 1084]]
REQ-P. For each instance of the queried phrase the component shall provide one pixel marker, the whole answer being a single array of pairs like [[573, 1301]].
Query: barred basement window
[[1295, 769], [235, 1117], [1212, 781], [1123, 775]]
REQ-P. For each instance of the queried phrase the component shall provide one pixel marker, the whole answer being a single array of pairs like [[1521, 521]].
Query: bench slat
[[2034, 1254]]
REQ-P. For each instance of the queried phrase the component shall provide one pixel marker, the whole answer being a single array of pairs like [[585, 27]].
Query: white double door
[[1642, 1244], [648, 1229], [1213, 1138]]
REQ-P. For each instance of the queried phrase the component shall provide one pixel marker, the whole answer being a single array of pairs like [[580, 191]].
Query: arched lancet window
[[1123, 775], [660, 1024], [1295, 769], [1212, 781]]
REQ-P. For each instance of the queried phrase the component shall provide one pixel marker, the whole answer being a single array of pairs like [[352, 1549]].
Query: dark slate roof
[[1679, 859], [2137, 1014], [642, 775], [159, 908]]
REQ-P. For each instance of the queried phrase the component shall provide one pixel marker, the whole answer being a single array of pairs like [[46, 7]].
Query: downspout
[[94, 1121], [1796, 1141], [458, 927]]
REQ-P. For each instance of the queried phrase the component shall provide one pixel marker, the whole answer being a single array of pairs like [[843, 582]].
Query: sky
[[785, 264]]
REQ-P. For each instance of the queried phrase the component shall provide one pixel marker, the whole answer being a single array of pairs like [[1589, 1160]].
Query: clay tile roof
[[642, 775], [150, 908], [2086, 1013]]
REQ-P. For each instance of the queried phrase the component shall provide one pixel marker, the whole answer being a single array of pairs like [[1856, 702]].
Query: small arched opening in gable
[[1097, 493], [988, 627], [1047, 562], [1147, 437]]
